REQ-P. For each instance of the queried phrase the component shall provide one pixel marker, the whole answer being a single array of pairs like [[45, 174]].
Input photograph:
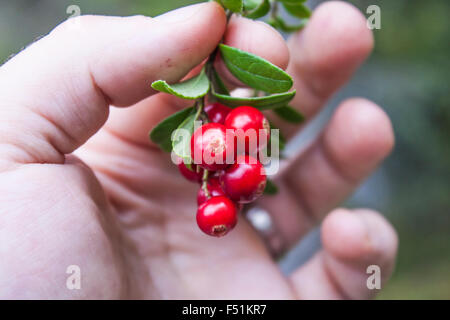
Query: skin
[[118, 208]]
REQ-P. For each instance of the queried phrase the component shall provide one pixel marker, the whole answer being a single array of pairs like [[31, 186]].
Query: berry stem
[[274, 10], [200, 103], [205, 183]]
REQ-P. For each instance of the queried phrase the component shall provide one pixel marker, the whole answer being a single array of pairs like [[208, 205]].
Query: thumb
[[56, 93]]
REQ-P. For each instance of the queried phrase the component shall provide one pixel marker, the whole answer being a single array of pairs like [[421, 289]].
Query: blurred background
[[408, 75]]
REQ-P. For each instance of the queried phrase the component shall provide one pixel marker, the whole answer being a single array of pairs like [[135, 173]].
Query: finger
[[64, 100], [358, 137], [134, 124], [324, 55], [352, 241], [256, 37], [259, 38]]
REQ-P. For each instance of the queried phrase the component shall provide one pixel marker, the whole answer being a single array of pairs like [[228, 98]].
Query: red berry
[[194, 175], [217, 216], [255, 129], [245, 180], [217, 112], [214, 190], [209, 146]]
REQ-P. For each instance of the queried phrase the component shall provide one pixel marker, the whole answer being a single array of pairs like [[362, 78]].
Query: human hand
[[124, 215]]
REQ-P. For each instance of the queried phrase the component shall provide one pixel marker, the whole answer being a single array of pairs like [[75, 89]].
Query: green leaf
[[189, 166], [281, 139], [181, 138], [193, 88], [281, 25], [233, 5], [250, 5], [218, 84], [254, 71], [292, 1], [261, 103], [271, 188], [298, 10], [162, 132], [289, 114], [254, 9]]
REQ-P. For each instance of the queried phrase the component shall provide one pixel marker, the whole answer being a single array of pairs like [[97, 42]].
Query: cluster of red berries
[[229, 184]]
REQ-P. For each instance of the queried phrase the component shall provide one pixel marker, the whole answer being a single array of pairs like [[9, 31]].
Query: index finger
[[324, 56]]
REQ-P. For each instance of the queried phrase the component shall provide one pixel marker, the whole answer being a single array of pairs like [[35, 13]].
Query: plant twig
[[274, 10], [229, 14], [205, 183]]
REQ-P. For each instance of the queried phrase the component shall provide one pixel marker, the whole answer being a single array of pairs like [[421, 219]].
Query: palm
[[153, 249], [164, 246]]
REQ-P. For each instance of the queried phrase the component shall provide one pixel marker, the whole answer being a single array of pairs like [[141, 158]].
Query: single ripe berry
[[209, 146], [214, 190], [255, 128], [217, 216], [245, 180], [217, 112], [194, 175]]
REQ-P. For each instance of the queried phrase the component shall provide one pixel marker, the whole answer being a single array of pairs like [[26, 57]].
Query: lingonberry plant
[[210, 145], [247, 121], [213, 188], [217, 112], [245, 180], [223, 153], [217, 216]]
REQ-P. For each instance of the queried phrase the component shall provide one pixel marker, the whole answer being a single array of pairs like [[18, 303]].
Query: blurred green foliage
[[407, 75]]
